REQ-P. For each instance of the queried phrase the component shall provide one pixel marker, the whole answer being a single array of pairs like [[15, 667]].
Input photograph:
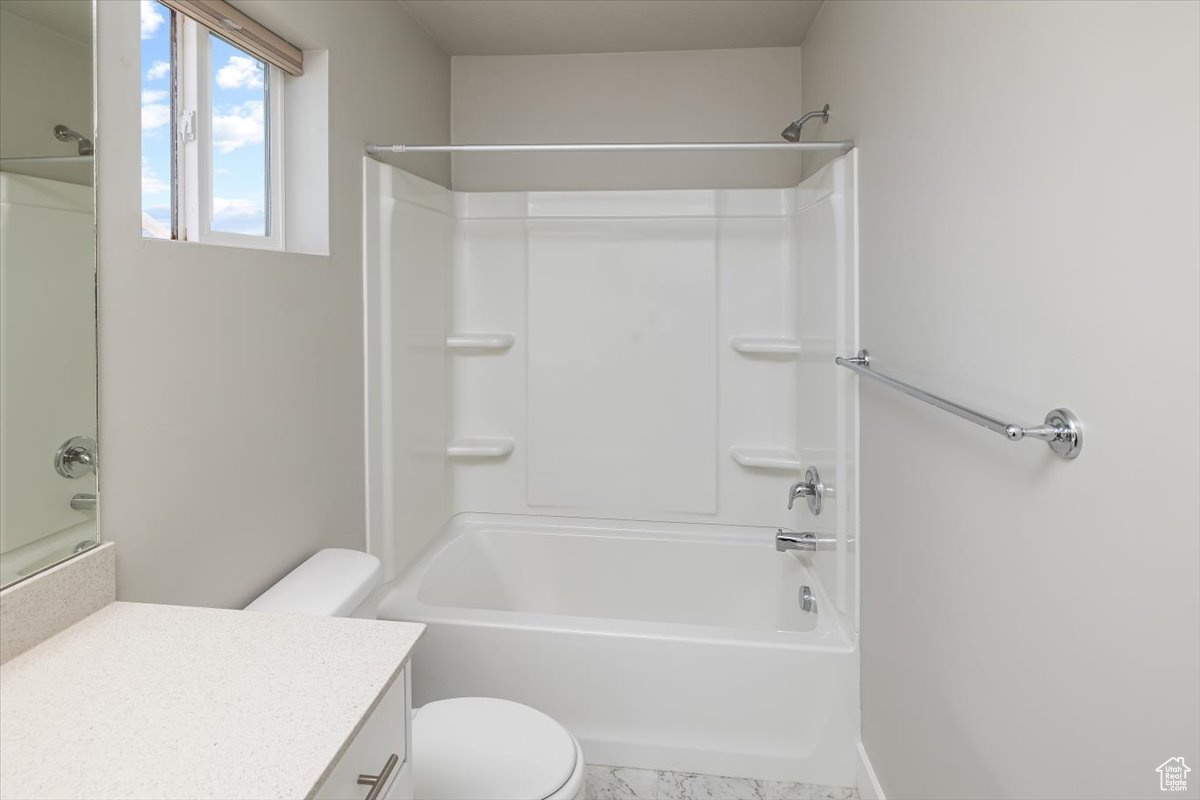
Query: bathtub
[[663, 646], [28, 559]]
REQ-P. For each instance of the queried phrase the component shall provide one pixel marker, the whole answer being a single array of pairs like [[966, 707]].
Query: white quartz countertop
[[151, 701]]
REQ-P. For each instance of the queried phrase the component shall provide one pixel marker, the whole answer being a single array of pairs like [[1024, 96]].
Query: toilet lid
[[482, 748]]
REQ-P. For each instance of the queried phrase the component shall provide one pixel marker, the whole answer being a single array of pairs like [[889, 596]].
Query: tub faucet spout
[[806, 542]]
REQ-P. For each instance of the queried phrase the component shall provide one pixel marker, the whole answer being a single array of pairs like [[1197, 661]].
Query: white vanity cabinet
[[186, 702], [381, 750]]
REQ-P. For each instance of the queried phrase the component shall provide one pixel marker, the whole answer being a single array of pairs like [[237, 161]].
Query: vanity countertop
[[161, 701]]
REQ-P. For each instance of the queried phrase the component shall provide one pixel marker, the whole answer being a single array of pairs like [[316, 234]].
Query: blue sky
[[239, 148]]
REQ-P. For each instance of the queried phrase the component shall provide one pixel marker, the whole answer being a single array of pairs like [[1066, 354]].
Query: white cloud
[[155, 115], [240, 126], [156, 109], [240, 72], [239, 215], [152, 18], [159, 70], [151, 183], [235, 207]]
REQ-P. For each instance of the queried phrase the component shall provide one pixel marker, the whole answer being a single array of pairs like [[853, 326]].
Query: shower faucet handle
[[811, 488], [77, 456]]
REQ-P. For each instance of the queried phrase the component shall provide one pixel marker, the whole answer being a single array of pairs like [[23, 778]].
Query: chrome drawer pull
[[377, 782]]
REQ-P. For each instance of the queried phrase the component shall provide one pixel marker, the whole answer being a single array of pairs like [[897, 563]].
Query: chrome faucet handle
[[811, 487], [77, 456], [799, 489]]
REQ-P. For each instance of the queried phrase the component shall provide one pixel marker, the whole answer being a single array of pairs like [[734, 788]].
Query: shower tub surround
[[608, 394]]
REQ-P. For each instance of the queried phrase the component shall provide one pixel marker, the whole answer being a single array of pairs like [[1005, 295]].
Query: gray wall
[[231, 381], [689, 95], [1029, 208]]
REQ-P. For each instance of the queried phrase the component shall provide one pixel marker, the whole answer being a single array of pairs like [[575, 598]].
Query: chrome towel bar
[[1061, 429]]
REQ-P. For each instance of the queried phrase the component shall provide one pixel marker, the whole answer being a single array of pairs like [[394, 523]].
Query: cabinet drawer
[[384, 734]]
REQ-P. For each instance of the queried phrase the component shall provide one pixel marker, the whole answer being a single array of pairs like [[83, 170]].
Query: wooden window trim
[[226, 21]]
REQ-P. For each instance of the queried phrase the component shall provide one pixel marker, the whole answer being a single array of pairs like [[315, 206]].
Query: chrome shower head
[[65, 134], [792, 132]]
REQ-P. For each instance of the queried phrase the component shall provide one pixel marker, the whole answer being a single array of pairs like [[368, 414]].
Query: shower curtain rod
[[45, 159], [373, 149]]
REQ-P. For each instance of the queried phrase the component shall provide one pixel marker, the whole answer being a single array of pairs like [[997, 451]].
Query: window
[[240, 153], [158, 78], [211, 140]]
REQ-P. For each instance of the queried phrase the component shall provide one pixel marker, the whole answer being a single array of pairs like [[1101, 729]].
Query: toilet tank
[[332, 583]]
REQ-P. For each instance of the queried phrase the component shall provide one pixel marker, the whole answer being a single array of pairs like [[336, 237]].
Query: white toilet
[[464, 748]]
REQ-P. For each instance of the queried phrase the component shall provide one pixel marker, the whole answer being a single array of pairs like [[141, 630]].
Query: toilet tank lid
[[332, 583]]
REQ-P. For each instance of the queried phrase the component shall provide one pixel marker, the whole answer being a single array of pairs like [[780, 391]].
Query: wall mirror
[[48, 451]]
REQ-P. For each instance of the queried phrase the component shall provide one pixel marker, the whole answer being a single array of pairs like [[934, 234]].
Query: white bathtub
[[658, 645]]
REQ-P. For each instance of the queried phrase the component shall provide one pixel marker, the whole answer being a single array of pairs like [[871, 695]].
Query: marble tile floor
[[627, 783]]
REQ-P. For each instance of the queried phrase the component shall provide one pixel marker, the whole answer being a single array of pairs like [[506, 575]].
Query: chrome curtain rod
[[1061, 430], [45, 159], [373, 149]]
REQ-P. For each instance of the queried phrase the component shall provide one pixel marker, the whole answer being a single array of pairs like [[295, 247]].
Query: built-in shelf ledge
[[782, 347], [767, 458], [479, 447], [784, 459], [480, 341]]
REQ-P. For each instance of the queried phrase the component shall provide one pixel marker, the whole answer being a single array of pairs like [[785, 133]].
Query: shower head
[[792, 132], [65, 134]]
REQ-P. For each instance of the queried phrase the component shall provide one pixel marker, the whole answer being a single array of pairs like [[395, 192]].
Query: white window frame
[[194, 150]]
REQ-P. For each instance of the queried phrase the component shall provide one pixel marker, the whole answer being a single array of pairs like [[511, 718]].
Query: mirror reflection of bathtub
[[48, 367], [47, 283], [28, 559], [732, 676]]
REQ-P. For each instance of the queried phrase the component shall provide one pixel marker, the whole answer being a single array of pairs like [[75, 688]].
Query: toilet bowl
[[463, 748], [486, 748]]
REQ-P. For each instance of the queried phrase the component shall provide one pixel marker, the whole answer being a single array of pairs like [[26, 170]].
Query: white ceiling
[[71, 18], [536, 27]]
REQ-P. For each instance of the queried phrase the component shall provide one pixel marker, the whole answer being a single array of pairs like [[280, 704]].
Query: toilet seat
[[484, 748]]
